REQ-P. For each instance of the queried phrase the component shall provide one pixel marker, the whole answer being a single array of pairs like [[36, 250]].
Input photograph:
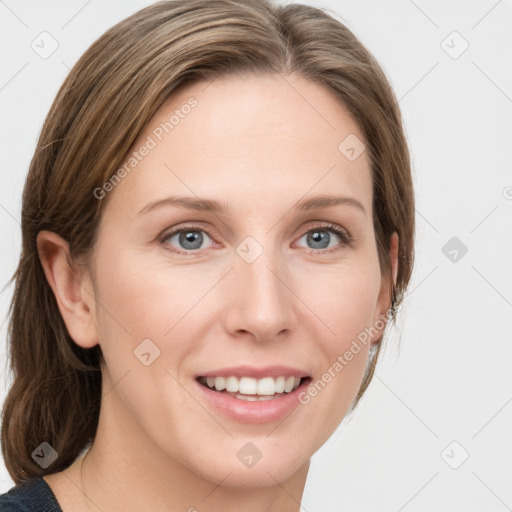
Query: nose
[[261, 301]]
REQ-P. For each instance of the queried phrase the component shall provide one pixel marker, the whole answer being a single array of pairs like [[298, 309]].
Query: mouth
[[249, 394], [252, 389]]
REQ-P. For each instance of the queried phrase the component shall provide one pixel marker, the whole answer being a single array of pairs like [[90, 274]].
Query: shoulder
[[32, 495]]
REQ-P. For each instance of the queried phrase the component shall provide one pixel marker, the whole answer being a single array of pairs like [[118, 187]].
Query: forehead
[[246, 139]]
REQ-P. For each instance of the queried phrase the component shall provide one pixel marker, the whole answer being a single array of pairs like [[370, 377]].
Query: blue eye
[[321, 237], [190, 239]]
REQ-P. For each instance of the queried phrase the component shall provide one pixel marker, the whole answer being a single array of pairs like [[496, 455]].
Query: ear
[[72, 287], [384, 299]]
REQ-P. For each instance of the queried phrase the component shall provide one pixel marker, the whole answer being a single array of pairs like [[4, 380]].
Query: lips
[[254, 395]]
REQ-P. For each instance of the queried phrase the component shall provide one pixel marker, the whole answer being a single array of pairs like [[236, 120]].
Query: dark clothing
[[32, 495]]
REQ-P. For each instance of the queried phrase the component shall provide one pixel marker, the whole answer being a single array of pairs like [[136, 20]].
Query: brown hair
[[103, 105]]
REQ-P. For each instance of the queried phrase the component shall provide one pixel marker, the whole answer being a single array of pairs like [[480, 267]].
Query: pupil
[[189, 238], [317, 236]]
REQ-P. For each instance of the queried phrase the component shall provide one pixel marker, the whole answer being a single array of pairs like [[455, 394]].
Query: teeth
[[248, 387], [290, 381], [280, 382], [232, 384], [220, 383], [266, 386]]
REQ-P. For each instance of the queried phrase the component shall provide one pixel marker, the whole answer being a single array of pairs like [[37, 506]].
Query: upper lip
[[255, 372]]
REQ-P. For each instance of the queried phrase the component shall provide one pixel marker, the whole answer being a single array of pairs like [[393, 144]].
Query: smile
[[252, 389], [252, 395]]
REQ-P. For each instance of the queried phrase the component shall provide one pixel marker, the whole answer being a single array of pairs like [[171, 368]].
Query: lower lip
[[253, 412]]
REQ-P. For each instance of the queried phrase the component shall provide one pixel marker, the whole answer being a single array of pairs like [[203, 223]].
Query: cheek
[[343, 297], [344, 300], [137, 305], [142, 300]]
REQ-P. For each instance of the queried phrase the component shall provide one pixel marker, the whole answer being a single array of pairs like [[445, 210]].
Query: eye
[[321, 237], [188, 238]]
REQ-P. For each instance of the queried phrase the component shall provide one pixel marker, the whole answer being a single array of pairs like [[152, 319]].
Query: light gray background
[[450, 379]]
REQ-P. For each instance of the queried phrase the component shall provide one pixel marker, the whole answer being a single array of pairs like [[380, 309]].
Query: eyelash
[[346, 239]]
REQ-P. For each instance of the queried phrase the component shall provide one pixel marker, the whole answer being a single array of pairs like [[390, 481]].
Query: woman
[[218, 223]]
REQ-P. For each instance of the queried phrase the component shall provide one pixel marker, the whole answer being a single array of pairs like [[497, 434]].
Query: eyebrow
[[212, 205]]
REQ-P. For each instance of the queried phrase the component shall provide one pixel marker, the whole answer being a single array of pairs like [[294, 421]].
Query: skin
[[157, 448]]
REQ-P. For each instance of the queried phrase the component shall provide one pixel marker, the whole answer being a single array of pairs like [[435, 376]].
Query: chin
[[267, 467]]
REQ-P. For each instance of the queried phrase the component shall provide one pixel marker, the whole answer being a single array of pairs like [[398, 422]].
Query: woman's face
[[238, 280]]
